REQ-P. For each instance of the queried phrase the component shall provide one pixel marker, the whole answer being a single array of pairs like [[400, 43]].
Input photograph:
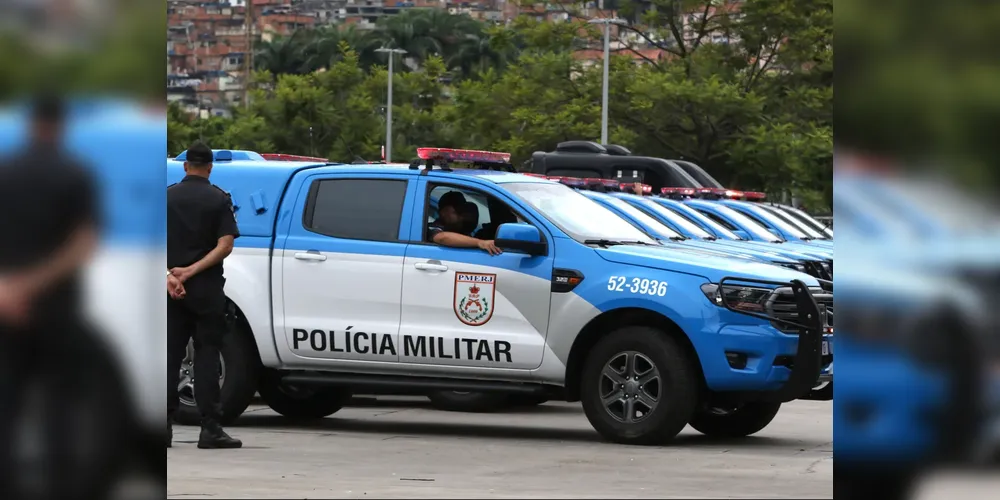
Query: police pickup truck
[[335, 288]]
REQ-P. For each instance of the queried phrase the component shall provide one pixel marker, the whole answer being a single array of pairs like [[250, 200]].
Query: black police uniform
[[198, 214]]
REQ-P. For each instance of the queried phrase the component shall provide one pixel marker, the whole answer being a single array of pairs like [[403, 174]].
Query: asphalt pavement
[[399, 447]]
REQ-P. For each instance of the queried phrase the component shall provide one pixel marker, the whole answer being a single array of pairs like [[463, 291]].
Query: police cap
[[199, 153]]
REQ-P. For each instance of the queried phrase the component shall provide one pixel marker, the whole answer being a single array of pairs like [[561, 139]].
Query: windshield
[[662, 229], [801, 226], [673, 218], [746, 223], [581, 218], [697, 217], [808, 219], [774, 221]]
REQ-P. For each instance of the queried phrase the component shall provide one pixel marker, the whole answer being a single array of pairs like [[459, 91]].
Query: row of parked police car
[[701, 306]]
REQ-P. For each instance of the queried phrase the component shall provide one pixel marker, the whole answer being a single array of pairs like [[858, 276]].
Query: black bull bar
[[810, 320]]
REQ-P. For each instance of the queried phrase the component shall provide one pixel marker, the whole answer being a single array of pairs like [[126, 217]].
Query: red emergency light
[[630, 187], [529, 174], [286, 157], [573, 181], [680, 191], [462, 155], [721, 193], [754, 195]]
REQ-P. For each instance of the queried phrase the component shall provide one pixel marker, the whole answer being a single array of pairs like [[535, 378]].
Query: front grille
[[814, 269], [782, 305]]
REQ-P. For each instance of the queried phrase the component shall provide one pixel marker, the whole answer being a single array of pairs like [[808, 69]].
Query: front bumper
[[796, 363]]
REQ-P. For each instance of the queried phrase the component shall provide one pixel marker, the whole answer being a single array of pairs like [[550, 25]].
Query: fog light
[[737, 360]]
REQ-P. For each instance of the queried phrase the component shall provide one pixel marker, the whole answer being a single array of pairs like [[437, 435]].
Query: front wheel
[[638, 386], [301, 402], [739, 421]]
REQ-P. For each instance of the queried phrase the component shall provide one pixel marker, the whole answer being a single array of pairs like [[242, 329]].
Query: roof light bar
[[286, 157], [462, 155], [676, 191], [630, 187], [754, 195], [530, 174], [573, 181]]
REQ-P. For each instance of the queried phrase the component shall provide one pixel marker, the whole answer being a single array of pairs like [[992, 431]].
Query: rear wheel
[[301, 402], [237, 378], [638, 386], [472, 402], [735, 421]]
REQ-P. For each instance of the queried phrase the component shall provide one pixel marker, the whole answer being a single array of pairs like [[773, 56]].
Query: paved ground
[[401, 448]]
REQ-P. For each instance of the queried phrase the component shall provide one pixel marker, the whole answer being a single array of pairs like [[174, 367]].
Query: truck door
[[339, 269], [462, 307]]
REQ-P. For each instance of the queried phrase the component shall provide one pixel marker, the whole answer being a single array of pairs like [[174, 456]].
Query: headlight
[[743, 298]]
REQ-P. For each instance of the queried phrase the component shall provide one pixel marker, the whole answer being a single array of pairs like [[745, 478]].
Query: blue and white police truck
[[335, 288]]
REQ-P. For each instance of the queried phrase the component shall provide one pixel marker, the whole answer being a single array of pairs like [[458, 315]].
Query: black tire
[[242, 370], [470, 402], [301, 403], [528, 400], [676, 388], [744, 420]]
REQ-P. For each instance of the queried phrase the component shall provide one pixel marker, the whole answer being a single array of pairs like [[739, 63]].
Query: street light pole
[[607, 55], [388, 108]]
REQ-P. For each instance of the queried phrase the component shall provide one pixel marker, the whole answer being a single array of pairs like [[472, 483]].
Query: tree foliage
[[754, 109]]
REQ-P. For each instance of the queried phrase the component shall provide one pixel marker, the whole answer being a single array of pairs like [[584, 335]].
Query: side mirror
[[520, 237], [742, 234], [224, 155]]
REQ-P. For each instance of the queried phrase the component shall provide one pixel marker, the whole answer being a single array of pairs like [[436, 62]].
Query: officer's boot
[[212, 436]]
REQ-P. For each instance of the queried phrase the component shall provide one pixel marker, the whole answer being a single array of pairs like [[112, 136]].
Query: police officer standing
[[201, 227]]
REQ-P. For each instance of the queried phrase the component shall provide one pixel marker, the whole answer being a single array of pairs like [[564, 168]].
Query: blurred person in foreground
[[201, 229], [50, 232]]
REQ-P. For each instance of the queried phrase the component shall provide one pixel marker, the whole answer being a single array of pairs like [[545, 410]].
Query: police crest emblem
[[474, 297]]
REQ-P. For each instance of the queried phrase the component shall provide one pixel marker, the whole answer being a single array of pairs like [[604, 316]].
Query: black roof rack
[[580, 147], [616, 150]]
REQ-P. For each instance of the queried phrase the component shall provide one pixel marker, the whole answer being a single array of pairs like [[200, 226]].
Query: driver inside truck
[[451, 229]]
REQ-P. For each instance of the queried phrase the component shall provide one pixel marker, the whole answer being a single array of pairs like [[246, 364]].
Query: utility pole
[[388, 108], [607, 55], [249, 23]]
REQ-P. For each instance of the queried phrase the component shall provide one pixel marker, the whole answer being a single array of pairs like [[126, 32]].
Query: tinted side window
[[757, 219], [723, 222], [357, 209]]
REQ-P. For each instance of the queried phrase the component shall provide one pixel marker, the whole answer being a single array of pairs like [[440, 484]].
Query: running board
[[426, 383]]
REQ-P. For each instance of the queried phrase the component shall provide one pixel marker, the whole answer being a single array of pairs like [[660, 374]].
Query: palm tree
[[283, 54], [324, 47]]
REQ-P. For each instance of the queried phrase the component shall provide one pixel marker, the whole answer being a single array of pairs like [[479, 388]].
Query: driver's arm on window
[[456, 240]]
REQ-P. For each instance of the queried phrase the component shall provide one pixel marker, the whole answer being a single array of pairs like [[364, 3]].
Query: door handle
[[310, 255], [427, 266]]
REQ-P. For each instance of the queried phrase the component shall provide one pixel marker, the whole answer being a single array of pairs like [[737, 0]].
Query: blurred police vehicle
[[918, 331]]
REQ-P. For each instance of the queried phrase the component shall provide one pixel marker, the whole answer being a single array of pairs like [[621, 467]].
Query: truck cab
[[335, 287], [749, 229]]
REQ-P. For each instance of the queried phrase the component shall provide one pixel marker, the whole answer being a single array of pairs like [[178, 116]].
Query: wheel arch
[[607, 322], [243, 327]]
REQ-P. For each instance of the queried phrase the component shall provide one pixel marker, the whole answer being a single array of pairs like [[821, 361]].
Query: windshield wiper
[[603, 242], [678, 238], [710, 238], [607, 243]]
